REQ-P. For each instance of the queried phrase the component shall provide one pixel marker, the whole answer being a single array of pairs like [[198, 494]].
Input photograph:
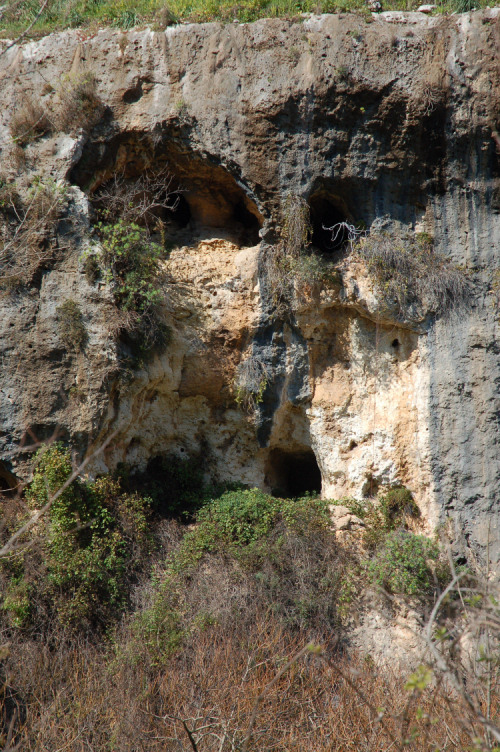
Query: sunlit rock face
[[390, 124]]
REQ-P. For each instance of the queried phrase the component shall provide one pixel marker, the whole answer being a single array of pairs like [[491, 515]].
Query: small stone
[[343, 519], [427, 8], [374, 5]]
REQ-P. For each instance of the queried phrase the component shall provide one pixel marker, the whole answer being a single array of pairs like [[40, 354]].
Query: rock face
[[390, 121]]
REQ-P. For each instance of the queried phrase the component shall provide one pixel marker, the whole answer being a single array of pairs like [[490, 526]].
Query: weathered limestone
[[393, 123]]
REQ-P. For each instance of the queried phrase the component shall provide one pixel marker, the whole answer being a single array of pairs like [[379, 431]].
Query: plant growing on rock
[[72, 329], [410, 275], [139, 200], [130, 261], [250, 383], [293, 270], [79, 104], [28, 221], [29, 122], [402, 563], [79, 561]]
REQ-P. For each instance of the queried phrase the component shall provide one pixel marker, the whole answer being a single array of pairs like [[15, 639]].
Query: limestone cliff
[[391, 121]]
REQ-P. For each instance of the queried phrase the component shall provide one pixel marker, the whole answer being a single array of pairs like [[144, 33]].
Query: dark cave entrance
[[292, 474], [180, 214], [326, 212], [207, 196]]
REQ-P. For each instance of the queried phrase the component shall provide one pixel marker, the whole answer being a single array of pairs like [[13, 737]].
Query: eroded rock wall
[[391, 121]]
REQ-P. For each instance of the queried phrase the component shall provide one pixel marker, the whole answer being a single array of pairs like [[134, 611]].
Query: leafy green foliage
[[402, 563], [72, 329], [93, 539], [241, 518], [130, 261]]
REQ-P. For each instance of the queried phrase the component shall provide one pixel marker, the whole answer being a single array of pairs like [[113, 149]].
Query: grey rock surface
[[391, 122]]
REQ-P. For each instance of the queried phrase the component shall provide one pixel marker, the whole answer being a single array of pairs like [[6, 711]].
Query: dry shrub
[[72, 329], [412, 276], [117, 321], [78, 698], [79, 104], [294, 273], [29, 122], [142, 199], [28, 222], [250, 383]]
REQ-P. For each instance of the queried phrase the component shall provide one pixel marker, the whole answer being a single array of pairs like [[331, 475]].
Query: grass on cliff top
[[18, 15]]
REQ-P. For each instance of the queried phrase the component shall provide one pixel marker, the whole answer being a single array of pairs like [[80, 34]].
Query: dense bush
[[405, 563], [248, 551], [80, 562]]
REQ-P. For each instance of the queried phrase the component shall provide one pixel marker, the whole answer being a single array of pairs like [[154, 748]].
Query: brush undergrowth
[[158, 624]]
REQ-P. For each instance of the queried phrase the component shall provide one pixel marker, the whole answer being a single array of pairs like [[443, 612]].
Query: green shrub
[[394, 509], [403, 563], [94, 538], [130, 261], [72, 329], [17, 602]]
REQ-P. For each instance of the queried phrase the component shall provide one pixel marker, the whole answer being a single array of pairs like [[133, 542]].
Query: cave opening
[[180, 213], [208, 196], [293, 473], [326, 213]]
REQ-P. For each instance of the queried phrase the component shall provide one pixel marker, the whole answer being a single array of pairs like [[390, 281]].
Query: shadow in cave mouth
[[208, 194], [326, 213], [292, 474]]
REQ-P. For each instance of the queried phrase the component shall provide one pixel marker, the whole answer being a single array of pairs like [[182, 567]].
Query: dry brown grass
[[28, 222], [79, 104], [74, 697], [29, 122]]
